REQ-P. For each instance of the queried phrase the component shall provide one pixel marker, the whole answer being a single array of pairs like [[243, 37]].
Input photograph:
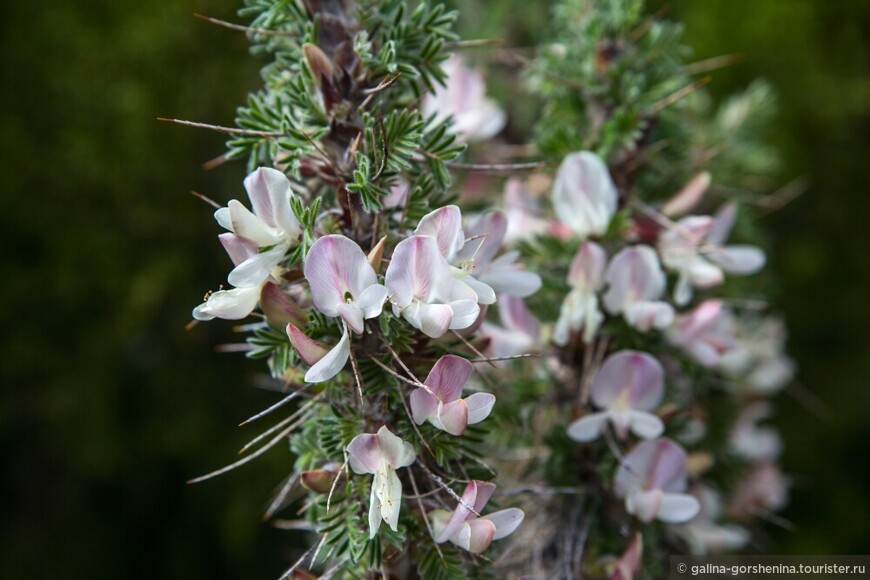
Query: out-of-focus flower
[[580, 309], [704, 333], [381, 454], [423, 290], [704, 534], [519, 332], [763, 366], [635, 283], [522, 211], [467, 530], [441, 403], [652, 479], [479, 258], [688, 197], [628, 386], [343, 284], [628, 563], [584, 196], [764, 490], [693, 248], [750, 440], [475, 117]]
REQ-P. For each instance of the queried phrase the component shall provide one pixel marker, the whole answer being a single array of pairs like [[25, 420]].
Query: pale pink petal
[[633, 275], [448, 376], [515, 315], [668, 471], [587, 267], [445, 225], [588, 427], [488, 231], [483, 490], [637, 375], [432, 319], [332, 363], [722, 224], [237, 248], [739, 260], [257, 184], [310, 351], [232, 304], [688, 197], [423, 405], [704, 274], [336, 268], [417, 269], [364, 453], [352, 315], [481, 533], [479, 407], [485, 294], [629, 563], [506, 521], [454, 417], [395, 451], [646, 315], [676, 508]]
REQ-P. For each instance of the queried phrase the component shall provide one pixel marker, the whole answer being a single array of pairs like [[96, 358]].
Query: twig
[[283, 422], [277, 405], [673, 98], [334, 484], [282, 495], [714, 63], [473, 348], [501, 358], [473, 43], [423, 514], [243, 28], [222, 129], [207, 200], [444, 486], [497, 167]]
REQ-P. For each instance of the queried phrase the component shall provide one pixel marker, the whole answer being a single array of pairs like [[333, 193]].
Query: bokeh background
[[109, 405]]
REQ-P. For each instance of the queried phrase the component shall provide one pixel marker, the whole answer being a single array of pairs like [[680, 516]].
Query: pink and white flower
[[629, 385], [584, 196], [652, 479], [580, 310], [441, 402], [520, 330], [752, 441], [764, 490], [475, 117], [635, 283], [343, 284], [704, 333], [694, 249], [469, 531], [704, 534], [381, 454], [423, 290]]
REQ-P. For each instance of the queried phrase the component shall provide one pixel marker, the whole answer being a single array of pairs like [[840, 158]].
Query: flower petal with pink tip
[[445, 225]]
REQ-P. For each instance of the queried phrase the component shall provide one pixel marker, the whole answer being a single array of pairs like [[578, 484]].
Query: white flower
[[475, 117], [584, 196], [580, 310], [381, 454], [636, 282]]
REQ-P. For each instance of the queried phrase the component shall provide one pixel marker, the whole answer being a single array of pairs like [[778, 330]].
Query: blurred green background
[[109, 405]]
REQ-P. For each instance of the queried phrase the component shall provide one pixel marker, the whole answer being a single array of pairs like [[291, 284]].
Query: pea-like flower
[[652, 479], [381, 454], [694, 249], [584, 196], [423, 290], [441, 402], [519, 332], [271, 225], [469, 531], [475, 117], [628, 386], [580, 310], [636, 282], [343, 284]]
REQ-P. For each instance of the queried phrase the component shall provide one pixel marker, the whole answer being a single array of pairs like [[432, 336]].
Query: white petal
[[433, 320], [388, 489], [634, 274], [588, 427], [222, 216], [352, 316], [397, 453], [506, 521], [374, 512], [676, 508], [232, 304], [739, 260], [644, 505], [270, 192], [247, 225], [512, 281], [584, 195], [479, 407], [256, 269], [336, 268], [237, 249], [485, 294], [465, 313], [372, 300], [445, 225], [645, 425], [418, 270], [331, 364]]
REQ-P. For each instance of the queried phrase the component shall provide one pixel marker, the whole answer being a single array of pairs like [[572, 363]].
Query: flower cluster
[[586, 342]]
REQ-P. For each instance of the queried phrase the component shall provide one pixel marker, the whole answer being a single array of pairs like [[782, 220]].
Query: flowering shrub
[[593, 378]]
